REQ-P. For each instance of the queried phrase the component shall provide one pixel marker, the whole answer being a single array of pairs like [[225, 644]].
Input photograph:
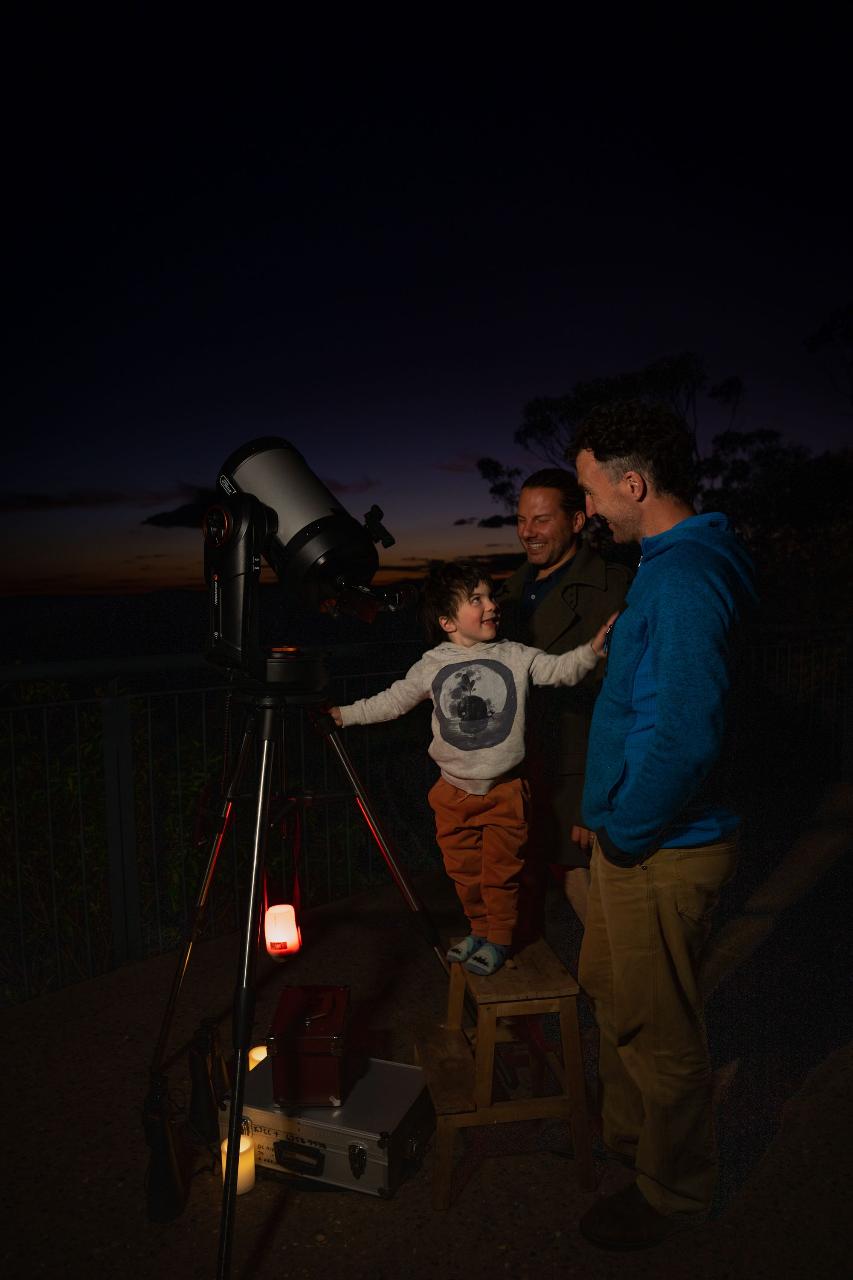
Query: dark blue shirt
[[533, 592]]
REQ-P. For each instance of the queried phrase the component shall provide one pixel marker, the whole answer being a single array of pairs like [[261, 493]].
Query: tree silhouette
[[832, 342], [793, 511], [791, 508], [549, 422], [729, 393]]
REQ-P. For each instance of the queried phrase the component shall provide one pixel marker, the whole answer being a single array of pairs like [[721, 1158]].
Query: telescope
[[274, 507], [271, 507]]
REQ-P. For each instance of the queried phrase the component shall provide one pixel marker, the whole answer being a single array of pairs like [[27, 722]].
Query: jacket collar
[[556, 612]]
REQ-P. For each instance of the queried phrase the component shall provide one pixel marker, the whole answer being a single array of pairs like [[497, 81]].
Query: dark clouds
[[91, 499], [188, 516], [462, 464], [488, 522]]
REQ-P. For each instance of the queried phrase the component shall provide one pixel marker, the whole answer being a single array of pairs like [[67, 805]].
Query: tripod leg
[[244, 995], [412, 900], [167, 1179], [197, 917]]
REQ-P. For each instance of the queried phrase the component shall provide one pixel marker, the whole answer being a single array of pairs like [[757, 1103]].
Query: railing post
[[121, 830], [846, 710]]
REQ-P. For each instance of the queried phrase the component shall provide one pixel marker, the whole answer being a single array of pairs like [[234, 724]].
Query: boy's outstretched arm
[[391, 703], [570, 668]]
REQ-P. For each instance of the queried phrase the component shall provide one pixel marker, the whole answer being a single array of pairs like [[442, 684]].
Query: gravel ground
[[77, 1070]]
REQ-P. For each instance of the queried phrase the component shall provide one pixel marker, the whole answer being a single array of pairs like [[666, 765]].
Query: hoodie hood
[[461, 652], [711, 531]]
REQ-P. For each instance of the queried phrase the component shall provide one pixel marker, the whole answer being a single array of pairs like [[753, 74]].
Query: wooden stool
[[460, 1081]]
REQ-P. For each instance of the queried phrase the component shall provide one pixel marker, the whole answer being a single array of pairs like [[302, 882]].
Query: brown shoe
[[626, 1220]]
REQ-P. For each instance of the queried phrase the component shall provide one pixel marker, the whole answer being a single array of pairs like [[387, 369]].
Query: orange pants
[[482, 840]]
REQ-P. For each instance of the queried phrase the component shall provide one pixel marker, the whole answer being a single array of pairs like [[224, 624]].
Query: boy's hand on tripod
[[326, 718]]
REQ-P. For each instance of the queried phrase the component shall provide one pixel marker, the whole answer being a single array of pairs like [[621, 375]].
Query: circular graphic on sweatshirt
[[475, 703]]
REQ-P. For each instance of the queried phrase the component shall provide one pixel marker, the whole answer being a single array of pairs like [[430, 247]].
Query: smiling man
[[557, 600], [657, 800]]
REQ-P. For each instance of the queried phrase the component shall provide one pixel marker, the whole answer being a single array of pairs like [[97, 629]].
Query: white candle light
[[257, 1053], [281, 931], [246, 1166]]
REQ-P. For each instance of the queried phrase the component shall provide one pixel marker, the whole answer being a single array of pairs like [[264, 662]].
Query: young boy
[[478, 686]]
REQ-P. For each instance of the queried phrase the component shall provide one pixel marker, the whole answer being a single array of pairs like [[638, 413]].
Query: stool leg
[[445, 1134], [537, 1051], [484, 1054], [456, 998], [576, 1089]]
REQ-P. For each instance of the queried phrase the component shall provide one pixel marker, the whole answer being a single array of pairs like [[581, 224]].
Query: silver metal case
[[368, 1144]]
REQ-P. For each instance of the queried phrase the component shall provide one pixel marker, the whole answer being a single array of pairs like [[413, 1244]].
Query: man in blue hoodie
[[665, 840]]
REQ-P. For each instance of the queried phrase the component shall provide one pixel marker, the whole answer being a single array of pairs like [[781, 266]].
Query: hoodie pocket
[[611, 792]]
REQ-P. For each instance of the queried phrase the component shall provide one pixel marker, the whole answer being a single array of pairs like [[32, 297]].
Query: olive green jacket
[[589, 590]]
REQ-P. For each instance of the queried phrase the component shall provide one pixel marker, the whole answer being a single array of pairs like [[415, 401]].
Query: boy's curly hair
[[636, 435], [447, 585]]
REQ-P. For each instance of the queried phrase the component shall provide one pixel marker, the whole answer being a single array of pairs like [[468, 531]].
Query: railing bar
[[152, 821], [235, 822], [326, 825], [306, 841], [381, 677], [178, 774], [64, 704], [81, 822], [95, 669], [13, 761], [345, 810], [51, 851]]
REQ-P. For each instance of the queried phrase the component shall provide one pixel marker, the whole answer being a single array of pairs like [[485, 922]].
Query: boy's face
[[475, 619]]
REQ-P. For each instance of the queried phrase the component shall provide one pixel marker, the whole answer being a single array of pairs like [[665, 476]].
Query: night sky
[[382, 262]]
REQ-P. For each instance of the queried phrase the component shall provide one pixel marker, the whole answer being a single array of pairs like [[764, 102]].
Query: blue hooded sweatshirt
[[660, 721]]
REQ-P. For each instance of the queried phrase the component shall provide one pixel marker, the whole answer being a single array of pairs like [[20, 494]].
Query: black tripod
[[263, 731]]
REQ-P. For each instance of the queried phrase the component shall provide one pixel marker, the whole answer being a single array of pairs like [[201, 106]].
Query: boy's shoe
[[465, 947], [626, 1220], [487, 959]]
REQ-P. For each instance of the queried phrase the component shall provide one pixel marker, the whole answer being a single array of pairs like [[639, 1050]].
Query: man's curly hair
[[446, 587], [636, 435]]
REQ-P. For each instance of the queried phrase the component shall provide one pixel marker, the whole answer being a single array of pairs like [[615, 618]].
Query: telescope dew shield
[[311, 541]]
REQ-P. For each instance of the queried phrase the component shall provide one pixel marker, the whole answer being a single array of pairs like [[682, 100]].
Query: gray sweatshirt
[[479, 697]]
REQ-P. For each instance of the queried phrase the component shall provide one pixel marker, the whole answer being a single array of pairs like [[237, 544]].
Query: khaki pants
[[645, 929], [482, 840]]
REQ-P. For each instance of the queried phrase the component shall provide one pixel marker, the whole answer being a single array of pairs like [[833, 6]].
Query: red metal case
[[307, 1046]]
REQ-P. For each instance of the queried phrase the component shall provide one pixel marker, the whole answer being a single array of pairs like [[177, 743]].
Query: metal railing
[[109, 798], [108, 804]]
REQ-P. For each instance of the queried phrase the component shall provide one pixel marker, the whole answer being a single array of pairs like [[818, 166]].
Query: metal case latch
[[357, 1159]]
